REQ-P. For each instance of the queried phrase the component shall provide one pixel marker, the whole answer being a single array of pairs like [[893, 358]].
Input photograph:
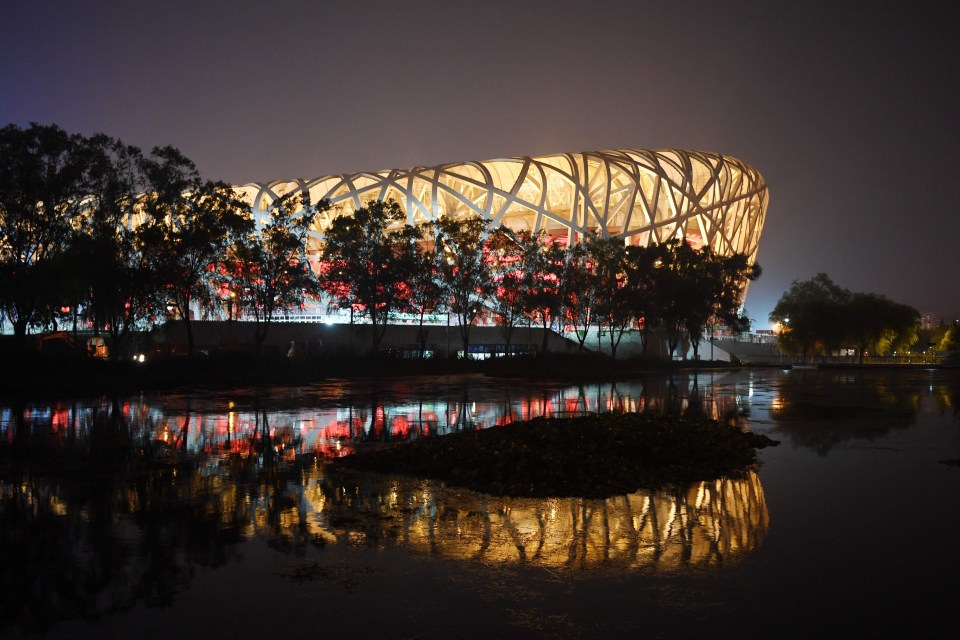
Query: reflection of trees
[[946, 392], [704, 524], [824, 408], [93, 543], [104, 526], [164, 430]]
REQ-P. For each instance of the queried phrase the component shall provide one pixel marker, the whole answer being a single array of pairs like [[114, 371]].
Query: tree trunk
[[374, 334], [379, 329], [544, 343], [508, 334], [20, 333], [260, 329], [616, 335], [673, 341], [189, 329], [464, 334], [582, 335], [422, 335]]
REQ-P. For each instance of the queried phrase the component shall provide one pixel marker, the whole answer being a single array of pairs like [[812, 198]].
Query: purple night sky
[[849, 109]]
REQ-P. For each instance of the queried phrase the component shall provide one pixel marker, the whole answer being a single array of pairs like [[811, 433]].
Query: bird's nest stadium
[[644, 197]]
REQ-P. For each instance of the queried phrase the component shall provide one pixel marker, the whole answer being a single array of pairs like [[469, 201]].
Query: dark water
[[214, 514]]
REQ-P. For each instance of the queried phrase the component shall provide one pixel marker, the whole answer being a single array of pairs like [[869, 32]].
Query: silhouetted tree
[[579, 291], [364, 263], [465, 273], [715, 288], [268, 271], [187, 228], [425, 293], [609, 272], [691, 288], [544, 264], [877, 324], [810, 314], [676, 260], [509, 300], [118, 288], [641, 265], [39, 183], [819, 315]]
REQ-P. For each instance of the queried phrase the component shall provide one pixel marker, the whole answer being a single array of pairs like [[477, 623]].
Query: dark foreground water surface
[[213, 514]]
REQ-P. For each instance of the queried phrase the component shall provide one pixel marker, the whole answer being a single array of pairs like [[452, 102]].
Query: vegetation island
[[588, 456]]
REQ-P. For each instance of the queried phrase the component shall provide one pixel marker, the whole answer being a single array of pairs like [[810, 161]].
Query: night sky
[[850, 110]]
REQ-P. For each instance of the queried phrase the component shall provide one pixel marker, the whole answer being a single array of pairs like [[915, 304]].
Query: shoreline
[[42, 377], [37, 377]]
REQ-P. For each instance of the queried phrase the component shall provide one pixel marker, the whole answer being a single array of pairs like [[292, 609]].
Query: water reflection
[[332, 419], [821, 409], [88, 543], [94, 542], [110, 502], [706, 523]]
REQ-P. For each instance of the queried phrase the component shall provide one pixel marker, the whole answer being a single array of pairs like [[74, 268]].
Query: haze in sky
[[848, 109]]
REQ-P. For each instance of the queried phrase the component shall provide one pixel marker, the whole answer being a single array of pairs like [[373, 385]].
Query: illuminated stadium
[[642, 196]]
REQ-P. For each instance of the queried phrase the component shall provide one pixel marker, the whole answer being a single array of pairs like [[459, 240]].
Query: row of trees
[[375, 263], [95, 231], [817, 316]]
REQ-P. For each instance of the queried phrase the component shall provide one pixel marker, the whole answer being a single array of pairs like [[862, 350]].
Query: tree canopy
[[817, 316], [950, 342], [465, 273], [507, 250], [188, 226], [40, 181], [268, 272], [92, 229], [691, 289], [109, 272], [365, 263]]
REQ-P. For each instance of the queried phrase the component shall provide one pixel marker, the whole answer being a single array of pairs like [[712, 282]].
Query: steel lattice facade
[[642, 196]]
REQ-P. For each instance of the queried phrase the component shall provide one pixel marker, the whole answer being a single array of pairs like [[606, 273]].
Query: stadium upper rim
[[642, 196]]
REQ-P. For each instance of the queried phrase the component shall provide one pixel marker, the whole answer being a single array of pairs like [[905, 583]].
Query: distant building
[[764, 336]]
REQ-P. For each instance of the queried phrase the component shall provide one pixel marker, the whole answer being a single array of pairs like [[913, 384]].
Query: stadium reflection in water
[[703, 524]]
